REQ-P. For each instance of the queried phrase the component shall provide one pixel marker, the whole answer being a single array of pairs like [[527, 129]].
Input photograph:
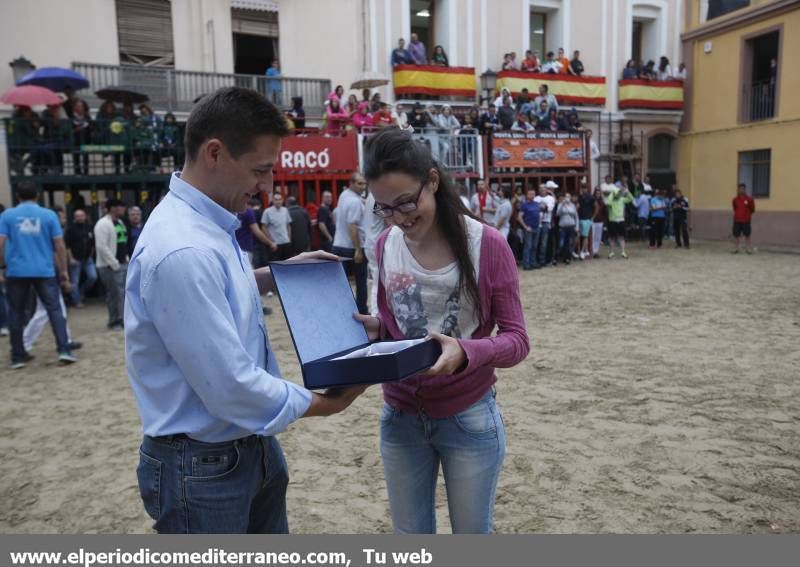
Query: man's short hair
[[549, 53], [545, 87], [27, 191], [111, 203], [743, 185], [291, 201], [236, 116]]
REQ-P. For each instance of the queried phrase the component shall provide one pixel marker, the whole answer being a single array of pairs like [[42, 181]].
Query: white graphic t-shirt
[[424, 300]]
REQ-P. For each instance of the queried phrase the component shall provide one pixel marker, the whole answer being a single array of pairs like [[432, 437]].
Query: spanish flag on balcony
[[569, 90], [651, 95], [432, 80]]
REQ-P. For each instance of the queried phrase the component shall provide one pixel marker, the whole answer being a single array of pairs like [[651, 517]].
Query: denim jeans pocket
[[387, 413], [149, 475], [214, 463], [478, 420]]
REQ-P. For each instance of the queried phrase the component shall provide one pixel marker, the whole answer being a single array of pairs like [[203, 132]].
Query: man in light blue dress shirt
[[207, 384]]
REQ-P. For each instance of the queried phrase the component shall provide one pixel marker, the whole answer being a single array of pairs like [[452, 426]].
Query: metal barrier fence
[[759, 101], [174, 90], [460, 153]]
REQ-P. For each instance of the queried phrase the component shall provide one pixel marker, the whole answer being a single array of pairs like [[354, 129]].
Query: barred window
[[754, 171]]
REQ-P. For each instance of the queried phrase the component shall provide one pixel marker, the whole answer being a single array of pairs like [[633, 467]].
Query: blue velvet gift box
[[333, 348]]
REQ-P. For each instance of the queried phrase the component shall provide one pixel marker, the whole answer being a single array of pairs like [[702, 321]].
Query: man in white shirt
[[349, 239], [483, 204], [551, 65], [547, 206], [111, 245], [277, 223], [544, 95]]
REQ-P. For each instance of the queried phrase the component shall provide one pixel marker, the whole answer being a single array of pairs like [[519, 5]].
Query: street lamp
[[20, 67], [488, 84]]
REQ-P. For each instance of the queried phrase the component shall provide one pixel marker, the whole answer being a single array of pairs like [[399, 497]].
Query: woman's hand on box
[[371, 324], [452, 360]]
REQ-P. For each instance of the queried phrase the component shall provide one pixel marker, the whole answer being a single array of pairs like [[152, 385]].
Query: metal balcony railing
[[175, 90], [759, 101]]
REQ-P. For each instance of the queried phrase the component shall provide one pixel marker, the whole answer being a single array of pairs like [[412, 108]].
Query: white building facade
[[340, 39]]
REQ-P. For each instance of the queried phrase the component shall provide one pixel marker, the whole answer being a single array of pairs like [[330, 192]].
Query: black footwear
[[75, 345], [28, 357], [267, 310]]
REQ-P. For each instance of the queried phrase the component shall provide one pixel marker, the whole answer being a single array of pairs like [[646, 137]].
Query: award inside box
[[332, 347]]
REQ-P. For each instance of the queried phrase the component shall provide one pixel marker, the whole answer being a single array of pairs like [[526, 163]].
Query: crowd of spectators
[[133, 135], [416, 54], [650, 72]]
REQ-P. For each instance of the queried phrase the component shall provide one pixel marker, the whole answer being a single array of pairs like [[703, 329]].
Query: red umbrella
[[30, 95]]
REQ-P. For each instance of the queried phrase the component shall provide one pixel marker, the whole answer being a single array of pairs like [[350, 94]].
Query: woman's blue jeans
[[566, 240], [470, 446]]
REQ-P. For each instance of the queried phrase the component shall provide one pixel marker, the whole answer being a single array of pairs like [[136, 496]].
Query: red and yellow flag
[[569, 90], [433, 80], [651, 95]]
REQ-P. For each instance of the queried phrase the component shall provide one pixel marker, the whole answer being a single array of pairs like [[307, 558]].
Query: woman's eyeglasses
[[385, 211]]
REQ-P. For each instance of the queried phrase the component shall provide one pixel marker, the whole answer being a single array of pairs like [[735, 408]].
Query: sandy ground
[[662, 395]]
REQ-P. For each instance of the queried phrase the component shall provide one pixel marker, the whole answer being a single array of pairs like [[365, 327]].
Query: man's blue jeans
[[75, 271], [3, 307], [544, 240], [18, 290], [529, 247], [191, 487], [470, 446]]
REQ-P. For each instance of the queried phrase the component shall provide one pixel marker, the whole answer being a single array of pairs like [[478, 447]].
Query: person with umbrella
[[113, 129], [56, 137], [81, 134], [146, 130], [23, 131]]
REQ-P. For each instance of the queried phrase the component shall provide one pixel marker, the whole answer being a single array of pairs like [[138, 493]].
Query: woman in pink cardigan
[[337, 117], [445, 275]]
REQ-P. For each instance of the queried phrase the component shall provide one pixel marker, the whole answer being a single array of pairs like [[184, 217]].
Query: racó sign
[[317, 154]]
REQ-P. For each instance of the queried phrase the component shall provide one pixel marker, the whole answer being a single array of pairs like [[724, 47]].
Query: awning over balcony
[[411, 80], [569, 90], [651, 95]]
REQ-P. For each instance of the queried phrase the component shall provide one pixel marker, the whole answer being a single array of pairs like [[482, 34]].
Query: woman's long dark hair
[[394, 151]]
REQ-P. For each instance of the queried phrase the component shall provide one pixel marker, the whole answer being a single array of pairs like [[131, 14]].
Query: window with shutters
[[145, 33]]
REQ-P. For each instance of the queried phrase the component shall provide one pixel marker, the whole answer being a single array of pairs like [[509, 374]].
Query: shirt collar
[[226, 220]]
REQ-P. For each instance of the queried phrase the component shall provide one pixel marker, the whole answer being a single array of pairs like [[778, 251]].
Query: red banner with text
[[317, 153]]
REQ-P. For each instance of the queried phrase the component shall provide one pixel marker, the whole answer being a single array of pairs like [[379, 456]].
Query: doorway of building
[[422, 22], [252, 54]]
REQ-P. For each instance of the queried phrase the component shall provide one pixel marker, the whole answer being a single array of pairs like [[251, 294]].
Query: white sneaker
[[270, 294], [3, 332]]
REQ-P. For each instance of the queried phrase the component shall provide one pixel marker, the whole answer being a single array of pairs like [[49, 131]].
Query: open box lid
[[318, 304]]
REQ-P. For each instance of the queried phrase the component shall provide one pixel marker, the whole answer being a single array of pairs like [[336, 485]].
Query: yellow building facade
[[742, 119]]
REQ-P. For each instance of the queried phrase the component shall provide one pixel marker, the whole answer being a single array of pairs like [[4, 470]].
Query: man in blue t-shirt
[[30, 236], [529, 217]]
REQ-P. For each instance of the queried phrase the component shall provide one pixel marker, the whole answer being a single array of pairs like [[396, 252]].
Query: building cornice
[[740, 19]]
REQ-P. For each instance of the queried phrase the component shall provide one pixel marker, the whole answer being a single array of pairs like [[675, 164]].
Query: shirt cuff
[[299, 399]]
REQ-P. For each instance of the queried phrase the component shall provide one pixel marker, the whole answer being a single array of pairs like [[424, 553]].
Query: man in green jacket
[[616, 199]]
